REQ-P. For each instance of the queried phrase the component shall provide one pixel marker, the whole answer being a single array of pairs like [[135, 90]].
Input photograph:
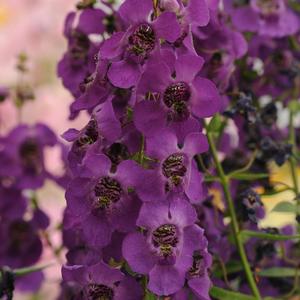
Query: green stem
[[28, 270], [141, 153], [234, 223]]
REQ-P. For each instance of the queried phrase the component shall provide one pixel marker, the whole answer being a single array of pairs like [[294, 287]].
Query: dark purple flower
[[251, 206], [77, 63], [100, 281], [103, 126], [21, 245], [174, 100], [164, 248], [220, 46], [101, 201], [176, 171], [129, 50], [24, 147], [269, 18]]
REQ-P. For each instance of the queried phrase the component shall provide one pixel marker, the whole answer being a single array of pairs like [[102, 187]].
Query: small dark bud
[[7, 283], [268, 114]]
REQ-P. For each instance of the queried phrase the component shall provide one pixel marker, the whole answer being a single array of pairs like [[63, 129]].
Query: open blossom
[[267, 17], [168, 101], [101, 200], [176, 170], [100, 281], [23, 154], [103, 126], [77, 62], [165, 249], [129, 50]]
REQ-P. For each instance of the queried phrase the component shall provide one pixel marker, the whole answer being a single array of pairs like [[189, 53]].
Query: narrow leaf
[[248, 176], [278, 272], [285, 206], [223, 294], [268, 236]]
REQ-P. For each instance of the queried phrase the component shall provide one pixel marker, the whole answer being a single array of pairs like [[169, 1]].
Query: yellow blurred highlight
[[4, 14], [217, 198], [282, 175]]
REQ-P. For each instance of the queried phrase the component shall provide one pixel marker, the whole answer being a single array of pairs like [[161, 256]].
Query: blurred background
[[34, 28]]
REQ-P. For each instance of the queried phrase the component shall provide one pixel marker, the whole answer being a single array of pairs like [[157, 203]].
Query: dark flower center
[[176, 97], [198, 267], [142, 40], [176, 92], [100, 292], [265, 249], [20, 232], [90, 134], [86, 83], [79, 46], [165, 237], [107, 192], [174, 167], [269, 114], [117, 152], [30, 156], [238, 3]]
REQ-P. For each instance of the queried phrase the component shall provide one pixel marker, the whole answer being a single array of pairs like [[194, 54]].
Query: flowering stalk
[[224, 180]]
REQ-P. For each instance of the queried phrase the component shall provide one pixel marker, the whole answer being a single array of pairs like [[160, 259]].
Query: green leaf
[[268, 236], [215, 124], [223, 294], [248, 176], [149, 296], [278, 272], [285, 207]]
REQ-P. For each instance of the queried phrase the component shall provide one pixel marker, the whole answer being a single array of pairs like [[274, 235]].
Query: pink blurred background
[[35, 27]]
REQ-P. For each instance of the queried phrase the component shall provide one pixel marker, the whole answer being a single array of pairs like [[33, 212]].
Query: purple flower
[[77, 62], [174, 100], [129, 50], [21, 245], [24, 147], [94, 89], [269, 18], [197, 276], [176, 171], [220, 46], [251, 206], [103, 126], [100, 281], [102, 201], [165, 246]]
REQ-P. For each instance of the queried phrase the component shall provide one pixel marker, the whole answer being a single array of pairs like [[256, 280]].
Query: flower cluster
[[135, 181], [23, 172], [167, 175]]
